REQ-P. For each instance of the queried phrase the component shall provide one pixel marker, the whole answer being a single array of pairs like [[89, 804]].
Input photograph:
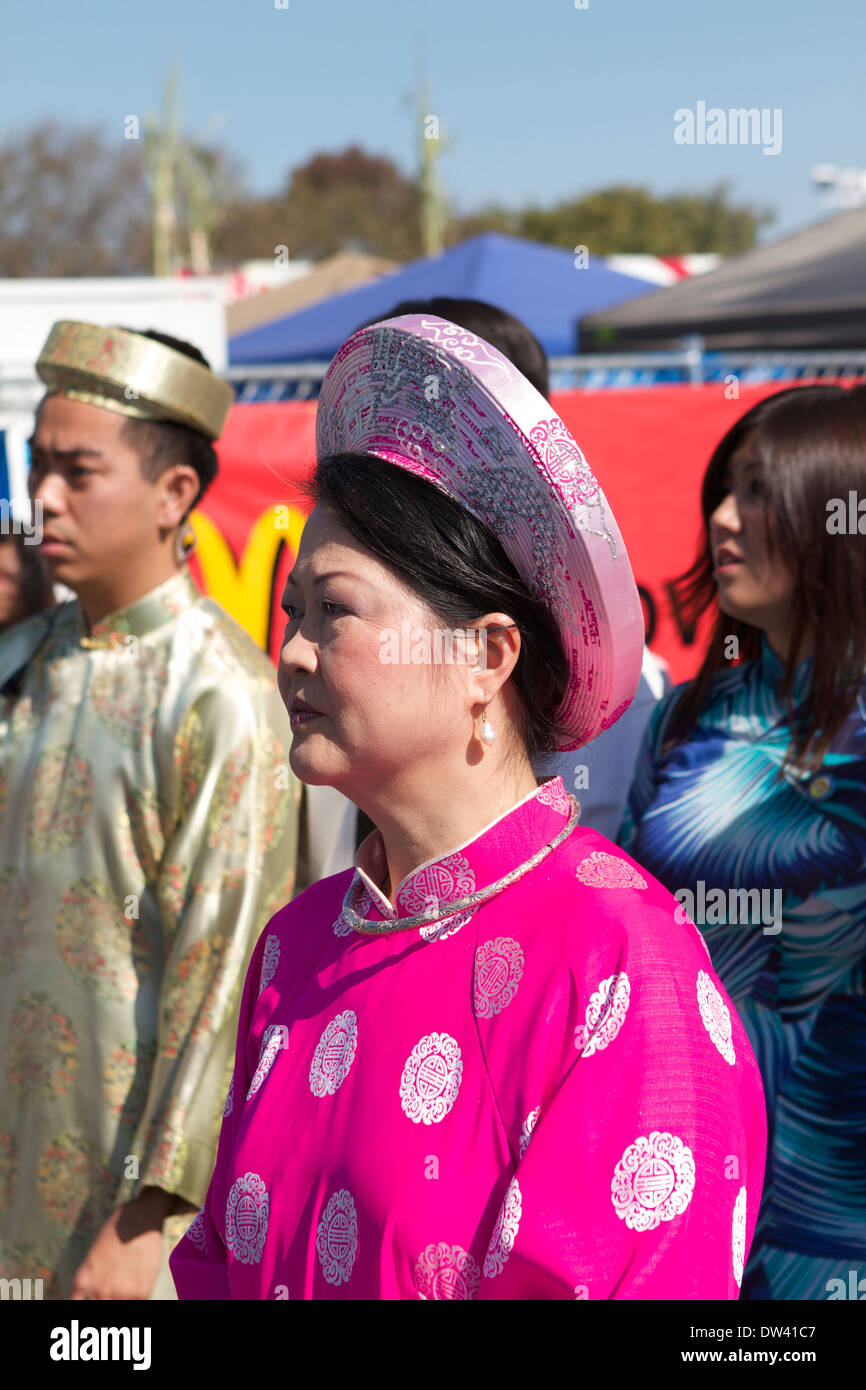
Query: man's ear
[[179, 486]]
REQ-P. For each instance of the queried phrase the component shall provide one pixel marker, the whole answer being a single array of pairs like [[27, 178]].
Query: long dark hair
[[454, 565], [37, 590], [810, 446]]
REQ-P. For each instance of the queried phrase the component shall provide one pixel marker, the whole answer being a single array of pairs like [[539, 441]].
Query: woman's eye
[[290, 611], [332, 608]]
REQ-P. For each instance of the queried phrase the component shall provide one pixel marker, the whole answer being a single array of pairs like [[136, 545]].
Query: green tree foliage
[[75, 203], [624, 219], [334, 202]]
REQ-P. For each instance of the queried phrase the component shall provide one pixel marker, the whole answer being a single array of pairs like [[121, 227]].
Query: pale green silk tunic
[[148, 830]]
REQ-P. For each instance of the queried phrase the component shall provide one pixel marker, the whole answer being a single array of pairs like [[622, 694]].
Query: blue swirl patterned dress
[[714, 810]]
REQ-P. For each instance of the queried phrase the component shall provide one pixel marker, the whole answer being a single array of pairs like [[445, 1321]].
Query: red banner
[[649, 449]]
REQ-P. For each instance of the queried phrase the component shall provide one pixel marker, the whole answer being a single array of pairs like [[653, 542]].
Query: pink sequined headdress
[[441, 402]]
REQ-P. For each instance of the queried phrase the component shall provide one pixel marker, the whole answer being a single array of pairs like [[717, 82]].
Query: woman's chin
[[314, 771]]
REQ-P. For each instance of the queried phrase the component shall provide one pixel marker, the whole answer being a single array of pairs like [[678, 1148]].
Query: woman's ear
[[498, 647]]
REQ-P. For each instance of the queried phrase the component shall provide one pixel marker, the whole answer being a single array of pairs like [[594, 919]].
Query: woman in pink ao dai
[[489, 1062]]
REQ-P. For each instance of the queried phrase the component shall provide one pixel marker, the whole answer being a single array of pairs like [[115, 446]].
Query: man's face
[[99, 515]]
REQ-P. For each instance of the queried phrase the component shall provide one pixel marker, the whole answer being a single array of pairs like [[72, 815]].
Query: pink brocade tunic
[[549, 1096]]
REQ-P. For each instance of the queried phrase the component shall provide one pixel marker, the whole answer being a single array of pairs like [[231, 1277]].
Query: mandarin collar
[[141, 617], [497, 848], [771, 670]]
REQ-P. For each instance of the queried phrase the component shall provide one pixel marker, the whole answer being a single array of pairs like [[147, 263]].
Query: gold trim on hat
[[133, 375]]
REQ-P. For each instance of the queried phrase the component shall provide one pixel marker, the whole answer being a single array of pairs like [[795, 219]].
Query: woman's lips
[[299, 717]]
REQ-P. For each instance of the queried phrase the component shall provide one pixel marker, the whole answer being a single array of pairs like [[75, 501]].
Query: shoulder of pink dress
[[322, 901]]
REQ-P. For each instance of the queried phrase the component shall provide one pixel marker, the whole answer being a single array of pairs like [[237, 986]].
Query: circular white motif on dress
[[527, 1129], [431, 1079], [227, 1108], [605, 1015], [334, 1054], [739, 1235], [273, 1039], [553, 794], [270, 961], [716, 1016], [337, 1237], [498, 971], [448, 879], [504, 1232], [446, 926], [446, 1272], [653, 1181], [247, 1218], [196, 1231], [601, 870]]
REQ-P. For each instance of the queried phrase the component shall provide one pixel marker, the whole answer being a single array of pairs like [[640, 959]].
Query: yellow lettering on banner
[[246, 591]]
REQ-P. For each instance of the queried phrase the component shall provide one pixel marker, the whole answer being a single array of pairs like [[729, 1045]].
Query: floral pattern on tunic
[[61, 800], [8, 1169], [149, 828], [23, 1261], [126, 1082], [103, 949], [260, 758], [42, 1053], [194, 990], [69, 1174], [165, 1146], [128, 708], [14, 919], [190, 758]]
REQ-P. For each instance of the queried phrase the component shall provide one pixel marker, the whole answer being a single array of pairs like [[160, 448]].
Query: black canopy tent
[[806, 291]]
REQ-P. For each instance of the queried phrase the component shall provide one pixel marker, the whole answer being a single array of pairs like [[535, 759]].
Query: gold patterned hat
[[133, 375]]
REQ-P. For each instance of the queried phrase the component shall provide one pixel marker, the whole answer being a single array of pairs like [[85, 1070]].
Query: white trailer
[[192, 309]]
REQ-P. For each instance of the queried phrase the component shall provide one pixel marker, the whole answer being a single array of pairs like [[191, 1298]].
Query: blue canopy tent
[[538, 284]]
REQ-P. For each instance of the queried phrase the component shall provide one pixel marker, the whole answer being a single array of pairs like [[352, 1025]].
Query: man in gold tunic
[[148, 826]]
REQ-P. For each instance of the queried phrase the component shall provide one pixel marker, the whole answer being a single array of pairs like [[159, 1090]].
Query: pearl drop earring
[[488, 733]]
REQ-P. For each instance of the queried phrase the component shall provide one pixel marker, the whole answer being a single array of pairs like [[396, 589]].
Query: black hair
[[162, 444], [37, 590], [455, 565], [809, 446], [502, 330]]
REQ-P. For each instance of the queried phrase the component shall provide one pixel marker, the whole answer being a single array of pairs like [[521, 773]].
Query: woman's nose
[[726, 517], [298, 652]]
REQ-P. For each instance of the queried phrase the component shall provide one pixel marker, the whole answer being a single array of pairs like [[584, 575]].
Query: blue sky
[[540, 100]]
